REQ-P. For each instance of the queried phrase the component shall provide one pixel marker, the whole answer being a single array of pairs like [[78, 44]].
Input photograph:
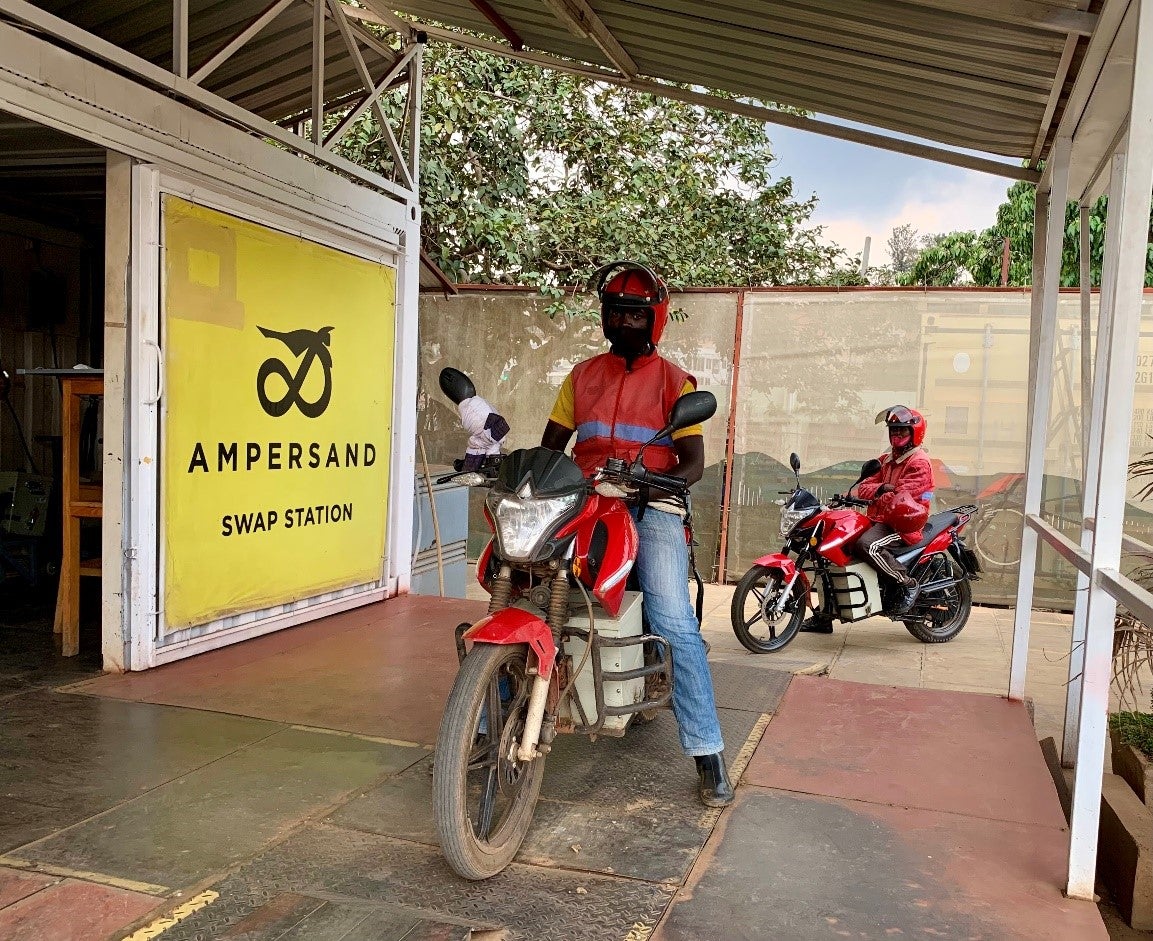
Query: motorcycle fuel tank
[[839, 532]]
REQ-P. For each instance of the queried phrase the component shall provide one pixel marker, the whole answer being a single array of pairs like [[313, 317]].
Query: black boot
[[715, 789], [817, 624], [910, 588]]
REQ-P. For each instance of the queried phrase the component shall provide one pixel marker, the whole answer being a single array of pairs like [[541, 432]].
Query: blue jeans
[[663, 572]]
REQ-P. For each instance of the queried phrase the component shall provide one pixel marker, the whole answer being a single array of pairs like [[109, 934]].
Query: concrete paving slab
[[71, 910], [353, 671], [908, 748], [16, 884], [798, 867], [223, 813], [69, 757]]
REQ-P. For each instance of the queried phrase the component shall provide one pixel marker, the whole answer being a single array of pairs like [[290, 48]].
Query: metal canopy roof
[[987, 75], [269, 75]]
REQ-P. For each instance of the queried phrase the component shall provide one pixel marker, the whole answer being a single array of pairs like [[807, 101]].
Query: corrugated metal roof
[[987, 75], [271, 75]]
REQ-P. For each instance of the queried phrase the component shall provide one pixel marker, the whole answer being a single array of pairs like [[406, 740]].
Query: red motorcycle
[[563, 648], [770, 601]]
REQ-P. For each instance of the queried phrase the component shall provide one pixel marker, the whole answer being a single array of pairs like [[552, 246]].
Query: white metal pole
[[318, 27], [1092, 459], [1136, 191], [180, 37], [1085, 256], [416, 106], [1045, 332]]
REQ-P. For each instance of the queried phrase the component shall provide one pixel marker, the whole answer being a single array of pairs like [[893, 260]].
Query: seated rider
[[905, 470]]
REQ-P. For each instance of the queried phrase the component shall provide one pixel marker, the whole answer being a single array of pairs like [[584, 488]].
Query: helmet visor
[[896, 415]]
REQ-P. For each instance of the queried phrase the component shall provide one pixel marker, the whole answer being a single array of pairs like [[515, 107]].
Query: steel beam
[[581, 20], [180, 37], [372, 94], [1030, 13], [239, 41], [317, 71], [61, 31], [1044, 328]]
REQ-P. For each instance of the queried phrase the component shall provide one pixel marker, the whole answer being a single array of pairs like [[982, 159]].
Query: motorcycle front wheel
[[944, 612], [757, 593], [483, 796]]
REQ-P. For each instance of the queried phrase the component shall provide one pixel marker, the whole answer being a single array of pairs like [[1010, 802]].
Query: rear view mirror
[[868, 469], [795, 462], [692, 408]]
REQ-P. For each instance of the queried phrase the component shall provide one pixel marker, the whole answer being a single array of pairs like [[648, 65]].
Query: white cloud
[[930, 205]]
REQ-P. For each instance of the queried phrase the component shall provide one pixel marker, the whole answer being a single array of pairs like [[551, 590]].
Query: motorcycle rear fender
[[941, 543], [786, 566], [514, 626]]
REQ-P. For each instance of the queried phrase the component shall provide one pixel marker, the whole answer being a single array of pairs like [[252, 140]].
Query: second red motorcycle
[[771, 599]]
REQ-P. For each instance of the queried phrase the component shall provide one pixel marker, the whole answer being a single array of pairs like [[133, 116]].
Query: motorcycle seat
[[936, 523]]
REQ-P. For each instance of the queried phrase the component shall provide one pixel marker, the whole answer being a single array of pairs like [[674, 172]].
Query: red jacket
[[910, 472], [618, 409]]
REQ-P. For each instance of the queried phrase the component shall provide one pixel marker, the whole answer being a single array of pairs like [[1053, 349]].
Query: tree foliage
[[948, 257], [532, 176], [903, 245]]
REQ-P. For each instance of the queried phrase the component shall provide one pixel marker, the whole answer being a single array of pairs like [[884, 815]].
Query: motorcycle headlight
[[790, 517], [524, 522]]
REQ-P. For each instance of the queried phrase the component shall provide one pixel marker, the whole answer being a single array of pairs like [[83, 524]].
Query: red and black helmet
[[629, 285], [900, 416]]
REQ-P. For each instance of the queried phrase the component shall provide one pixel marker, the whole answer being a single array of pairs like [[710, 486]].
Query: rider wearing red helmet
[[900, 493], [615, 402]]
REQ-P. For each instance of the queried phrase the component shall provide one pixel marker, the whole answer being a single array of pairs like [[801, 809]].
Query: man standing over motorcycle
[[615, 402]]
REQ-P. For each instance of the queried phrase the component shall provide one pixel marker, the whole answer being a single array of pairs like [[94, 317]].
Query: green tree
[[946, 257], [533, 176]]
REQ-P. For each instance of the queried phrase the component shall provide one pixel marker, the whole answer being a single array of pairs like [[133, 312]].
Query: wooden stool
[[79, 501]]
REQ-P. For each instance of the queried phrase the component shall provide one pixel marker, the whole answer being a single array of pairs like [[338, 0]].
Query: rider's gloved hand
[[883, 489]]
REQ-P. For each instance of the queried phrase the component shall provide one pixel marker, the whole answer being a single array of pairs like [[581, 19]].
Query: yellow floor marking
[[376, 739], [102, 878], [178, 914], [710, 817], [639, 932]]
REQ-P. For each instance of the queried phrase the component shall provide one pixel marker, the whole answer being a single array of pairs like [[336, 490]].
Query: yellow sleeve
[[564, 409], [692, 429]]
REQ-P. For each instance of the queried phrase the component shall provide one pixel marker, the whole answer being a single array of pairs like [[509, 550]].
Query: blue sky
[[865, 191]]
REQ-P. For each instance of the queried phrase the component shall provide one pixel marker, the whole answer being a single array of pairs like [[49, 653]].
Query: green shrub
[[1136, 729]]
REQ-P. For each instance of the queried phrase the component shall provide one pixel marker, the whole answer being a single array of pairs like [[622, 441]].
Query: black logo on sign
[[311, 345]]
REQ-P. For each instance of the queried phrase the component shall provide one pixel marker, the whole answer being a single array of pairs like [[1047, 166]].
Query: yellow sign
[[278, 395]]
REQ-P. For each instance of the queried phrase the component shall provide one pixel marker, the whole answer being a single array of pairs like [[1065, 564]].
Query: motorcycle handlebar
[[846, 500], [664, 481]]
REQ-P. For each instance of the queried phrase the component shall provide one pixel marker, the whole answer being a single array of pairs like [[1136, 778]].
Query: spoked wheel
[[998, 537], [754, 601], [483, 797], [941, 614]]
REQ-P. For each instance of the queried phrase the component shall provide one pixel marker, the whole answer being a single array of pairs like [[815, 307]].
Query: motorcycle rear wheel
[[756, 593], [483, 797], [957, 603]]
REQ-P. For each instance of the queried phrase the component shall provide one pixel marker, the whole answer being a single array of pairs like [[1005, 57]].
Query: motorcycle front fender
[[783, 564], [514, 626]]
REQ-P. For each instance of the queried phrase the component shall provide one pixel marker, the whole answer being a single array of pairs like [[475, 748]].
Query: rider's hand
[[883, 489]]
